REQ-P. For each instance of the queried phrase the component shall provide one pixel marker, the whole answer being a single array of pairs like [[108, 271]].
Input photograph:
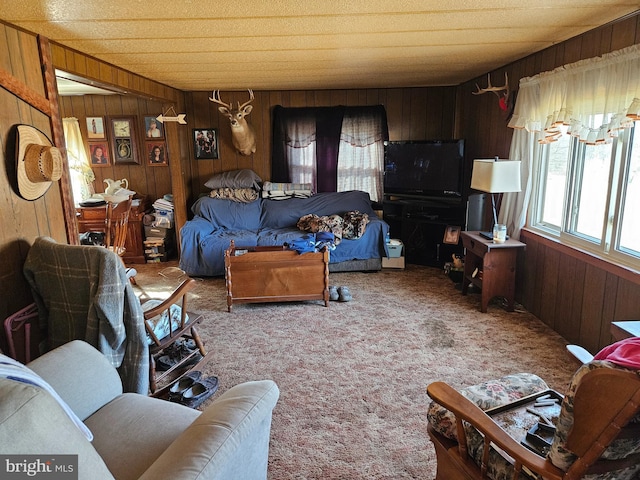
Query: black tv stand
[[421, 222]]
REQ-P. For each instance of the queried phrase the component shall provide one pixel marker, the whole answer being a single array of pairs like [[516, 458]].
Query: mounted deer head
[[503, 98], [242, 134]]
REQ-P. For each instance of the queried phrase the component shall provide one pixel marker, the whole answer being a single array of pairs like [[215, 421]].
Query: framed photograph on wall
[[452, 234], [99, 154], [205, 143], [123, 140], [157, 155], [153, 128], [95, 128]]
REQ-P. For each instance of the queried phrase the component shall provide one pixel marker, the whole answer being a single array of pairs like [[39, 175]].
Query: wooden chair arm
[[466, 410], [177, 295]]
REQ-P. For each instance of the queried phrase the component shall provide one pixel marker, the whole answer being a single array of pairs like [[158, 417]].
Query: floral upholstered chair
[[597, 428]]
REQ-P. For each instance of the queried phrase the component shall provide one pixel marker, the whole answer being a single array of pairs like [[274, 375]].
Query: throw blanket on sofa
[[327, 223], [82, 292], [351, 225]]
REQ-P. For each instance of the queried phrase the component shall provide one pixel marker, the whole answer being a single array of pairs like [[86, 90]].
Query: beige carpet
[[353, 376]]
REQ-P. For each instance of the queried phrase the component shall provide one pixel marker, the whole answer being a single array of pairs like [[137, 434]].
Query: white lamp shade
[[496, 176]]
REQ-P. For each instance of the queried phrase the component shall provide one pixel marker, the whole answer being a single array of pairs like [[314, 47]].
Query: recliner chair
[[134, 436]]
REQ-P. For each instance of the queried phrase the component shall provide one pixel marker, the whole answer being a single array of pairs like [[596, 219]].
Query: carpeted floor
[[353, 376]]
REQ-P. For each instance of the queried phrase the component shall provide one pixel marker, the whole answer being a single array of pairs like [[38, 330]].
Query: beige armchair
[[134, 436]]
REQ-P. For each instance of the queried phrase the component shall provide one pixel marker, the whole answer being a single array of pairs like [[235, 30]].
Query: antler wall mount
[[503, 98]]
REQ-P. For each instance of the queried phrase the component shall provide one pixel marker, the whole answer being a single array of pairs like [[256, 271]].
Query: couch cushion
[[489, 394], [131, 420], [228, 214], [286, 213], [32, 422]]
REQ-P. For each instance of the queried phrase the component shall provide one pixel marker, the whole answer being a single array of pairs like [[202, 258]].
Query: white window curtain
[[300, 150], [361, 155], [607, 87], [80, 172]]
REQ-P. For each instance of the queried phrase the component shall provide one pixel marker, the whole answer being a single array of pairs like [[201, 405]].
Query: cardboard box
[[157, 232], [395, 262]]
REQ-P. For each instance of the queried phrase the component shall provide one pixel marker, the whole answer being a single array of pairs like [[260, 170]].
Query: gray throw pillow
[[244, 178]]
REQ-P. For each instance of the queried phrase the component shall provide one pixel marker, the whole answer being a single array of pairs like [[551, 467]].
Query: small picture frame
[[157, 155], [99, 154], [452, 234], [123, 140], [205, 143], [153, 128], [95, 128]]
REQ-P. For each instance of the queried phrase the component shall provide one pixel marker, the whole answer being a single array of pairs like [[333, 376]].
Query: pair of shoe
[[341, 294], [176, 353], [192, 389]]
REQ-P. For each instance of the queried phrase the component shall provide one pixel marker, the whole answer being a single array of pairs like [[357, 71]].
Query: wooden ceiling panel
[[286, 44]]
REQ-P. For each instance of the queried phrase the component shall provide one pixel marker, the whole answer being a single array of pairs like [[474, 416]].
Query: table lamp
[[495, 176]]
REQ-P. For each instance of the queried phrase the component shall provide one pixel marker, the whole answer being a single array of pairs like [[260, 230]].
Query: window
[[335, 149], [586, 194]]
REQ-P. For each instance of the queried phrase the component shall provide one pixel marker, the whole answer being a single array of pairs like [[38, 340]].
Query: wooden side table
[[496, 267]]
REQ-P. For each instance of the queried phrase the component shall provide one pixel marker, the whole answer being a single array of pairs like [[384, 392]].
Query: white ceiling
[[197, 45]]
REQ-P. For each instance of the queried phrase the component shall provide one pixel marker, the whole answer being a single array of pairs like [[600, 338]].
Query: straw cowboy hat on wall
[[38, 162]]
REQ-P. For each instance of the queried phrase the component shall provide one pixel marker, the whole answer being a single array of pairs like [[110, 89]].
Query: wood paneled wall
[[144, 96], [21, 220], [144, 179], [580, 309], [412, 114], [573, 292]]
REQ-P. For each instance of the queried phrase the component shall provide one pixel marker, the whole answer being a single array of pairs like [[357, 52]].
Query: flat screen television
[[429, 168]]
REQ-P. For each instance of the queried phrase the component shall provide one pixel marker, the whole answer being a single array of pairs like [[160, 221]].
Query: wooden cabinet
[[490, 267], [92, 219]]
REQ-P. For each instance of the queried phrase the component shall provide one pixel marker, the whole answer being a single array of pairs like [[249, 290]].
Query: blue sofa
[[266, 222]]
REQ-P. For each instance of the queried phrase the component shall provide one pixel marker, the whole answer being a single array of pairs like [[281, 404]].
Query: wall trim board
[[57, 131], [24, 93]]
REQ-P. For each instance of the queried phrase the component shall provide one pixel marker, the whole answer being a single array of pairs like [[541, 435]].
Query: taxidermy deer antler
[[503, 98]]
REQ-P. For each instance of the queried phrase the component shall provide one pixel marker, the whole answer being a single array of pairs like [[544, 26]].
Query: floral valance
[[593, 98]]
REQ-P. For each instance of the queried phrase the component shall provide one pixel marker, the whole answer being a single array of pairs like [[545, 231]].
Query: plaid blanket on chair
[[82, 292]]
